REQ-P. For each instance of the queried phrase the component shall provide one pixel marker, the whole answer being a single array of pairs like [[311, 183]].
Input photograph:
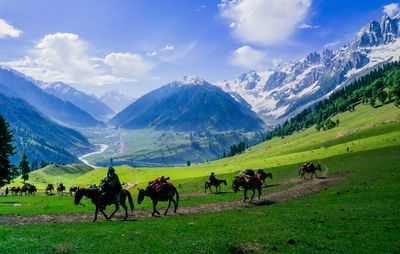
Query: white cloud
[[265, 22], [307, 26], [248, 57], [127, 65], [333, 44], [168, 48], [65, 57], [152, 53], [7, 30], [391, 9]]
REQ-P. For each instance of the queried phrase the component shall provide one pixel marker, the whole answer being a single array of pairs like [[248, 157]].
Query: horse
[[248, 183], [164, 192], [32, 189], [24, 189], [50, 188], [60, 189], [101, 203], [15, 190], [261, 175], [309, 168], [216, 183], [72, 190]]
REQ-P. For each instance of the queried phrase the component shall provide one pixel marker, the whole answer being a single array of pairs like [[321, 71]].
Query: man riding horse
[[111, 186]]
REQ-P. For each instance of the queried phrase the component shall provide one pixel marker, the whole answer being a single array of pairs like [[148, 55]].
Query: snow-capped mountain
[[89, 103], [191, 104], [281, 92], [116, 100]]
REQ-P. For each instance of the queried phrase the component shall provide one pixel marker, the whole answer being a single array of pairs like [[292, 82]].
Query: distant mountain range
[[187, 105], [57, 109], [38, 136], [116, 100], [281, 92], [90, 104]]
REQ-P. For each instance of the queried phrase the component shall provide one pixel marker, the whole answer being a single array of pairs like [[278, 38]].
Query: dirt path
[[302, 188]]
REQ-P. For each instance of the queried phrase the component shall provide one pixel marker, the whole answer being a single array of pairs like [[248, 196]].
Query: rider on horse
[[212, 178], [153, 184], [111, 185]]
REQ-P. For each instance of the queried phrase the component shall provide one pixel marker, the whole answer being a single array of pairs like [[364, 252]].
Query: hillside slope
[[191, 104], [364, 129], [49, 105], [37, 136]]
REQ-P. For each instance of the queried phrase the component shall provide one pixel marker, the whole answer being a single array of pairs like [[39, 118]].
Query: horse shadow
[[263, 202], [321, 177]]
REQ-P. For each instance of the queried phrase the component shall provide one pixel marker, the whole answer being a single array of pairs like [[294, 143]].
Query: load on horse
[[248, 181], [160, 189], [109, 192], [309, 168], [213, 181], [262, 175]]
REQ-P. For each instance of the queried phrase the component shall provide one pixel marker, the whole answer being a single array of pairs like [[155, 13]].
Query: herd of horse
[[247, 180]]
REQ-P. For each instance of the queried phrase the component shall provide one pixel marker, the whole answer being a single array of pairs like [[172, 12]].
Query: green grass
[[359, 215]]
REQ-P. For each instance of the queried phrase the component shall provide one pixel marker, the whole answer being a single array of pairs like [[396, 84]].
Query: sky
[[135, 46]]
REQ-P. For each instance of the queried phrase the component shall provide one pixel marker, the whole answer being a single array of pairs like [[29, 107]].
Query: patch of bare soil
[[302, 188]]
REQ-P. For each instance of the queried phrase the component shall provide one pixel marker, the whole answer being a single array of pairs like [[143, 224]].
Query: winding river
[[103, 147]]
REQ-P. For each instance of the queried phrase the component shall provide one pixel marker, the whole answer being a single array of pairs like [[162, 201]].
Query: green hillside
[[364, 129]]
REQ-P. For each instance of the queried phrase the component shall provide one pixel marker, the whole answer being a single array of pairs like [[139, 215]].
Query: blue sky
[[135, 46]]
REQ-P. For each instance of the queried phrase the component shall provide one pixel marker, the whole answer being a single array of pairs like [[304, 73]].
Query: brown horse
[[97, 199], [60, 189], [49, 189], [32, 189], [261, 175], [248, 183], [24, 189], [217, 184], [164, 192], [15, 190], [309, 168]]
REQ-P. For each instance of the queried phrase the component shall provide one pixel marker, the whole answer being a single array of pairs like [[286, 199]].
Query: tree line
[[381, 85]]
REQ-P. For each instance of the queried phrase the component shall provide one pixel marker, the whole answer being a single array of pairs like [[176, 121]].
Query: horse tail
[[130, 200], [299, 170]]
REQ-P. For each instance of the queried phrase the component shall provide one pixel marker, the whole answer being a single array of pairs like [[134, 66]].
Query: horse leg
[[95, 214], [252, 196], [169, 205], [116, 209], [245, 194], [126, 210], [173, 201], [259, 192], [154, 208]]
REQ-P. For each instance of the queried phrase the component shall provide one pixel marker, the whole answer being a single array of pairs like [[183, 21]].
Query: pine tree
[[7, 170], [24, 167]]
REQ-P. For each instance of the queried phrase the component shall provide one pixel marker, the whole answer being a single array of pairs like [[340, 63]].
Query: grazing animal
[[247, 183], [216, 183], [15, 190], [164, 192], [72, 190], [261, 175], [49, 189], [32, 189], [24, 189], [309, 168], [60, 189], [101, 203]]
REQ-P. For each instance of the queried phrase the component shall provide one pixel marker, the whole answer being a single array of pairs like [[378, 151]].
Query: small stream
[[103, 147]]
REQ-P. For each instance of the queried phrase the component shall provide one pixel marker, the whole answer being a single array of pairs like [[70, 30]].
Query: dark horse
[[261, 175], [72, 190], [165, 192], [216, 183], [60, 189], [248, 183], [32, 189], [101, 203], [309, 168], [49, 188]]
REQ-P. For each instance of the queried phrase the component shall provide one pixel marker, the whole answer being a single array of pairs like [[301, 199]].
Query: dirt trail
[[302, 188]]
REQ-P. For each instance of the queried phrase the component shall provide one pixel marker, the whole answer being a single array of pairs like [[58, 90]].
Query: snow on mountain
[[116, 100], [279, 93]]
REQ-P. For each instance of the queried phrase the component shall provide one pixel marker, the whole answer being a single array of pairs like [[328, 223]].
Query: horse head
[[235, 184], [78, 196], [318, 167], [141, 195]]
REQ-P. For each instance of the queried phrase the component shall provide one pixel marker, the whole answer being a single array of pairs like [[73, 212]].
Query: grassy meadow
[[358, 215]]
